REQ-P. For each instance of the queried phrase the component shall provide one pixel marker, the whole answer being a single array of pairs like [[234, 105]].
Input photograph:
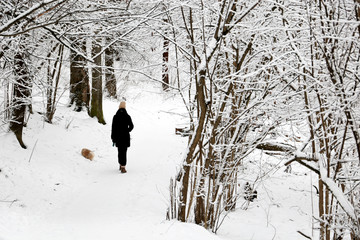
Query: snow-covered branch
[[338, 193], [25, 14]]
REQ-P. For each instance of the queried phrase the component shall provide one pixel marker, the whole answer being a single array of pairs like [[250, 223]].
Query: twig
[[67, 125], [274, 232], [33, 149], [302, 234], [11, 202]]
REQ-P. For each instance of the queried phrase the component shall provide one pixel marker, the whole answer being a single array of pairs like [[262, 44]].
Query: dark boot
[[122, 169]]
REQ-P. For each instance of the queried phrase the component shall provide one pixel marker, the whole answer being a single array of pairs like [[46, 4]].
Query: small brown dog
[[87, 154]]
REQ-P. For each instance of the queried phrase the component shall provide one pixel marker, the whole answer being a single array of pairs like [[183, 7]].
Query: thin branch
[[33, 150], [27, 13]]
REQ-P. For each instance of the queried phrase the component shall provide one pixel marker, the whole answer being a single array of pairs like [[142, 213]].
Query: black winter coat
[[121, 128]]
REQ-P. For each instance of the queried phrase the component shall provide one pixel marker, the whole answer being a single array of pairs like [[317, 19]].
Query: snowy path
[[112, 204], [115, 204]]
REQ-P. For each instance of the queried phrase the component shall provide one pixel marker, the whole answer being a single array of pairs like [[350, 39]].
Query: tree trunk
[[21, 93], [184, 194], [49, 89], [165, 57], [357, 12], [165, 67], [79, 81], [192, 146], [52, 90], [96, 91], [110, 79]]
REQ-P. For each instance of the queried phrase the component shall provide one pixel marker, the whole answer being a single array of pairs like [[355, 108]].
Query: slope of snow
[[49, 191]]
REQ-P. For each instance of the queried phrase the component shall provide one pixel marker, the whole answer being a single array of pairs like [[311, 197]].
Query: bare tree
[[79, 79], [53, 79], [314, 70], [21, 93], [165, 54], [228, 108], [327, 63], [110, 79], [97, 90]]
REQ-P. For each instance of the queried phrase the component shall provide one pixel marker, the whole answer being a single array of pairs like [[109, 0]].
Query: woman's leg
[[122, 155]]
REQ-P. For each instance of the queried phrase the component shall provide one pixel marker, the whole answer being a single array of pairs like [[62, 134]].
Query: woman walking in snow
[[120, 134]]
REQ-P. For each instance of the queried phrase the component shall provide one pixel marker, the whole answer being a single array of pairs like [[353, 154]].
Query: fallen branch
[[11, 202], [276, 147], [302, 160], [8, 201]]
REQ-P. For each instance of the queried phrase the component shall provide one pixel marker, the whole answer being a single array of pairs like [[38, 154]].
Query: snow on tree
[[286, 60]]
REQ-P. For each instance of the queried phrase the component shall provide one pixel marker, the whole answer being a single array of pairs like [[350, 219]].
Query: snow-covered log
[[276, 147]]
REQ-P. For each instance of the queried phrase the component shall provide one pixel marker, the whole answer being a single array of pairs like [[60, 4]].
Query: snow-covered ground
[[49, 191]]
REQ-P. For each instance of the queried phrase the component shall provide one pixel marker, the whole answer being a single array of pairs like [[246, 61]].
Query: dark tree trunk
[[96, 91], [184, 194], [357, 12], [165, 68], [49, 90], [53, 76], [192, 146], [79, 81], [110, 80], [199, 210], [165, 56], [21, 93]]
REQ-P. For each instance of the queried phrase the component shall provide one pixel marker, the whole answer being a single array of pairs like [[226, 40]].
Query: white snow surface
[[49, 191]]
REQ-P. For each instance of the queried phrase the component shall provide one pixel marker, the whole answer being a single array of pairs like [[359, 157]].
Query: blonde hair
[[122, 104]]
